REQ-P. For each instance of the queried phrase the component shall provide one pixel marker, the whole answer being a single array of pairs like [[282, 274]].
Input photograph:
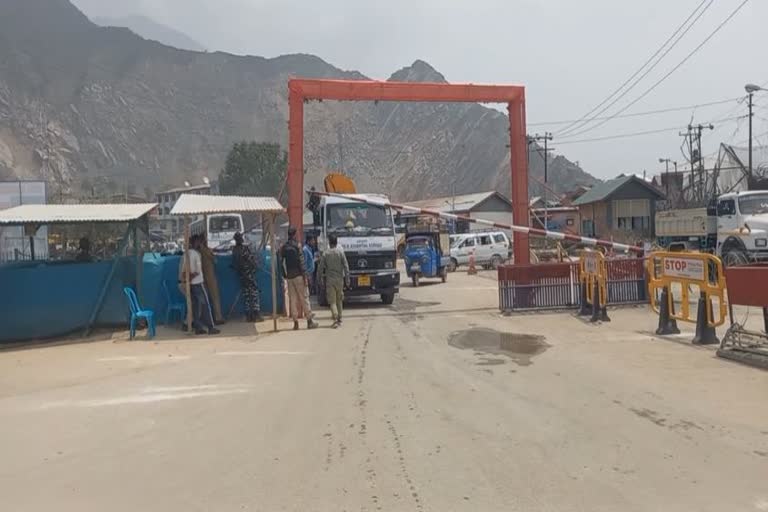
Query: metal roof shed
[[39, 214], [194, 204], [32, 216]]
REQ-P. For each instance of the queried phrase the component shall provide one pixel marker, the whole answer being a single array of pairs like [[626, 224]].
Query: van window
[[469, 242], [499, 238], [485, 240]]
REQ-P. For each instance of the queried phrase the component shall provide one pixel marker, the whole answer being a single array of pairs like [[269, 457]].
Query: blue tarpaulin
[[47, 299]]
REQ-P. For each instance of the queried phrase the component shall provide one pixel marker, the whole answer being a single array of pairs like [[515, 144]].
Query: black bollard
[[595, 302], [667, 324], [585, 309], [705, 334]]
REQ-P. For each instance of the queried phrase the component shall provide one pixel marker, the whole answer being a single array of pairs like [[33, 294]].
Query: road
[[435, 404]]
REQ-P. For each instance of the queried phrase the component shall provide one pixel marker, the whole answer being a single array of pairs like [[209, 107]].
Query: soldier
[[244, 263]]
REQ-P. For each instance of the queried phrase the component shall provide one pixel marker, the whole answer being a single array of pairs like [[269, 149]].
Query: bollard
[[585, 309], [705, 333], [667, 324], [595, 302]]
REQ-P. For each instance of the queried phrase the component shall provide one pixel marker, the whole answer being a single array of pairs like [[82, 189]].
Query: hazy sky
[[569, 54]]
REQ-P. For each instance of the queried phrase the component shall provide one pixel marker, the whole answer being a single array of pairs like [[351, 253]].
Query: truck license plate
[[364, 281]]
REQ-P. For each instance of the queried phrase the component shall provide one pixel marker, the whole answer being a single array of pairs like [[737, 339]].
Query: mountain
[[150, 29], [100, 108]]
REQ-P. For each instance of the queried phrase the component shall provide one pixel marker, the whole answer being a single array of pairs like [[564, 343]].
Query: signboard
[[686, 268], [590, 262]]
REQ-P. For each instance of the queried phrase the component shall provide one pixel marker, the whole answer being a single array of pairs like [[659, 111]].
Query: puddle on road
[[520, 348]]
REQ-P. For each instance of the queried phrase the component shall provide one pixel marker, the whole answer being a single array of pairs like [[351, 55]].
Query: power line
[[580, 122], [647, 112], [637, 134], [667, 75]]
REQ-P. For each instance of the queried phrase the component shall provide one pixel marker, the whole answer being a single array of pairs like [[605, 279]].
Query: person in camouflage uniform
[[245, 264]]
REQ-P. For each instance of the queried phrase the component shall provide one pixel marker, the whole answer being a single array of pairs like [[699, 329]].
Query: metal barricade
[[547, 286], [594, 278], [666, 269]]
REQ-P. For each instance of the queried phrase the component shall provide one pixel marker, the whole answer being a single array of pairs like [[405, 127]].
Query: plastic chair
[[137, 312], [173, 305]]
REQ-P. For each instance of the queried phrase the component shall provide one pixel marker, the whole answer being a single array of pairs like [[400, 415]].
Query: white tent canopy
[[195, 204]]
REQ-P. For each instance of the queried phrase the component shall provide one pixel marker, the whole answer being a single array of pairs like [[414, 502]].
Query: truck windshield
[[752, 205], [229, 223], [359, 219]]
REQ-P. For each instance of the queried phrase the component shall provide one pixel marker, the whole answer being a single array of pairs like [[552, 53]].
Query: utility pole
[[546, 138], [340, 138], [751, 90], [694, 131]]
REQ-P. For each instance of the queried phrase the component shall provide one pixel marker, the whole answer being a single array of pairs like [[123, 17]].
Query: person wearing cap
[[333, 274], [244, 263], [294, 272]]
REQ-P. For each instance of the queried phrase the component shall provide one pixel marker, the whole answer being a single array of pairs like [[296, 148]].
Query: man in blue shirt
[[309, 261]]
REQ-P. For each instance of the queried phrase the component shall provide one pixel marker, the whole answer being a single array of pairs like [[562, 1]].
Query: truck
[[366, 232], [734, 227]]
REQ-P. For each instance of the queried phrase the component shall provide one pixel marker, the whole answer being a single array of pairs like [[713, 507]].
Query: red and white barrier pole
[[556, 235]]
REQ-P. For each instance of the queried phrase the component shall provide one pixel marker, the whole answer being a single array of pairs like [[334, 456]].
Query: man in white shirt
[[202, 319]]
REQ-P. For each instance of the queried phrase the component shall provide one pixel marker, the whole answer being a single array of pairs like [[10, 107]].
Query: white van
[[491, 248]]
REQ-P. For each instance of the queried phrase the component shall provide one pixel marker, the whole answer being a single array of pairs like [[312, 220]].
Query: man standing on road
[[294, 270], [202, 318], [333, 271], [245, 265]]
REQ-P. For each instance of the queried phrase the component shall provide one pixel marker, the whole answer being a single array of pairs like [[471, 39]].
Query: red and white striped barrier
[[556, 235]]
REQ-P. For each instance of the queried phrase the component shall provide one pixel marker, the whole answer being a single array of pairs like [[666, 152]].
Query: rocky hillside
[[98, 109]]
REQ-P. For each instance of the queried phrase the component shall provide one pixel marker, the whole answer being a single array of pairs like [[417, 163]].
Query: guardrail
[[547, 286]]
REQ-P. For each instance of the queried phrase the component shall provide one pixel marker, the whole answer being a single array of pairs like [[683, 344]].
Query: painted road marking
[[116, 359], [151, 395], [262, 353]]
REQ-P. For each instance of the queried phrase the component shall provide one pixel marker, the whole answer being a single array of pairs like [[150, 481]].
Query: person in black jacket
[[294, 272]]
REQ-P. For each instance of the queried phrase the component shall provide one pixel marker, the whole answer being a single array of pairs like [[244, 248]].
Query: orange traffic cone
[[472, 269]]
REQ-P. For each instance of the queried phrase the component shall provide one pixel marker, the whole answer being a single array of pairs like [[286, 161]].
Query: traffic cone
[[472, 269], [705, 334], [667, 324]]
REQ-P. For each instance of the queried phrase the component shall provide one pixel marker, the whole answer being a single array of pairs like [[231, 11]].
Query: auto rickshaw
[[425, 256]]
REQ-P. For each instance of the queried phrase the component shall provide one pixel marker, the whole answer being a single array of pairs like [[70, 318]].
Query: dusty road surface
[[435, 404]]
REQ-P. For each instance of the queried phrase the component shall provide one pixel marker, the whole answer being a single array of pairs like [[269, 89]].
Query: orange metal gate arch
[[301, 90]]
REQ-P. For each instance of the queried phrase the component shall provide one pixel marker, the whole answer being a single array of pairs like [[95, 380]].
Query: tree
[[254, 169]]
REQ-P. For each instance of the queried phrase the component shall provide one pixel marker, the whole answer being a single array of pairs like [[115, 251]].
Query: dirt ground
[[437, 403]]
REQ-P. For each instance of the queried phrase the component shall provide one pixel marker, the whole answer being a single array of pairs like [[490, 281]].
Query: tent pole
[[139, 259], [187, 284], [273, 265], [107, 282]]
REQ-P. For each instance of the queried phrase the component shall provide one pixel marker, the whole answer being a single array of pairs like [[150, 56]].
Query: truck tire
[[415, 279], [734, 257], [496, 260], [444, 274], [388, 298]]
